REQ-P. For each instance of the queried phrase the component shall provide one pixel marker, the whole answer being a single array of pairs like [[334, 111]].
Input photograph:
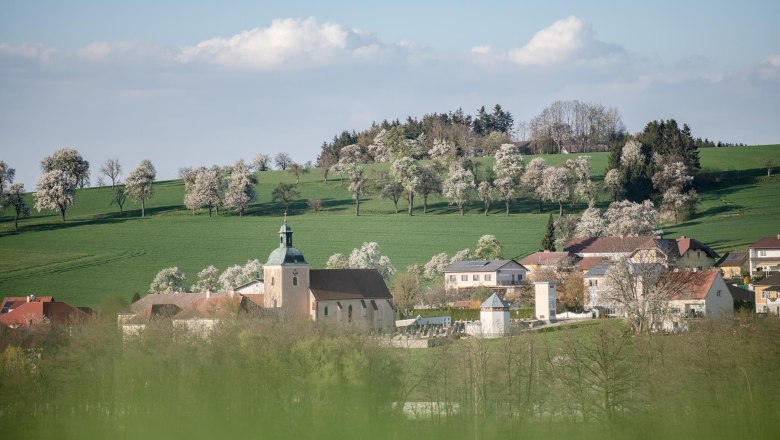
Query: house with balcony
[[764, 255], [767, 294], [498, 275]]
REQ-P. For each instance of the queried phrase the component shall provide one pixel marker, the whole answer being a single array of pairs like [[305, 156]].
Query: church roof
[[285, 255], [494, 302], [342, 284]]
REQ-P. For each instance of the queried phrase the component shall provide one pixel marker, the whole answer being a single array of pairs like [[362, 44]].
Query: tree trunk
[[540, 206], [395, 201], [16, 222], [62, 214], [411, 202], [560, 209], [241, 212], [425, 204], [507, 207], [210, 208], [487, 208], [357, 206], [461, 210], [143, 208]]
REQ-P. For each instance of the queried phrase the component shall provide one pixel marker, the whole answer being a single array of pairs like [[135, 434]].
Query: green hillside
[[98, 252]]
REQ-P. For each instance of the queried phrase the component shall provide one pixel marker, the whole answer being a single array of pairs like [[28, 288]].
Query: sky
[[201, 83]]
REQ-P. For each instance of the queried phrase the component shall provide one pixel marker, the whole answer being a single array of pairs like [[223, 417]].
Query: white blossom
[[555, 186], [56, 191], [435, 267], [632, 154], [488, 248], [591, 223], [169, 280], [240, 190], [368, 257], [139, 184], [458, 186], [627, 218], [461, 255], [231, 278], [337, 261], [509, 163], [208, 279]]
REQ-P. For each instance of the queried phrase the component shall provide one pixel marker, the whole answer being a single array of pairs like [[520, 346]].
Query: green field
[[98, 252]]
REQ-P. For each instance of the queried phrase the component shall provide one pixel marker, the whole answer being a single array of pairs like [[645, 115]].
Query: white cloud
[[482, 50], [285, 43], [565, 41], [773, 60], [34, 52], [102, 51]]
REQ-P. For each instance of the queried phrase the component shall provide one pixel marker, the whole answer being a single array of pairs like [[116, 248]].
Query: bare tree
[[296, 170], [282, 160], [111, 169], [769, 163]]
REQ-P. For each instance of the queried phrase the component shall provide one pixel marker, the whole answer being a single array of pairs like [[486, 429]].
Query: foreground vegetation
[[262, 379], [98, 251]]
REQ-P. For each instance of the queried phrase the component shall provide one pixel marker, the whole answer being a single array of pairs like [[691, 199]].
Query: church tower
[[286, 276]]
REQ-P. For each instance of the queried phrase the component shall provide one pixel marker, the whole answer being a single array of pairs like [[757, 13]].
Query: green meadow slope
[[98, 252]]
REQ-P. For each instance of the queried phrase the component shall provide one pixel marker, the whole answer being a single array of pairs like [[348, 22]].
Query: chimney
[[208, 293]]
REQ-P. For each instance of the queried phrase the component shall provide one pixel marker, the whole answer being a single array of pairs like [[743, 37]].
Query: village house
[[704, 294], [767, 294], [733, 265], [681, 254], [764, 255], [612, 248], [594, 280], [498, 275], [546, 262]]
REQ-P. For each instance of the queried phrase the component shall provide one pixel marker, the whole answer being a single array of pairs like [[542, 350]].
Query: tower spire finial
[[285, 216]]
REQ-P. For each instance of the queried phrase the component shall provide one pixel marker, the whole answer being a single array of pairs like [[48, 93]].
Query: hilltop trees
[[204, 191], [282, 160], [241, 188], [56, 191], [408, 173], [70, 162], [11, 194], [139, 184], [357, 185], [261, 162], [6, 178], [286, 193], [111, 169], [458, 186]]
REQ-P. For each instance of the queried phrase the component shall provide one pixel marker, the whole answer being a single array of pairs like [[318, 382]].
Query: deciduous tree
[[241, 188], [14, 198], [285, 192], [139, 184], [261, 162], [111, 169], [169, 280], [458, 186], [485, 191], [69, 161], [555, 186], [282, 160], [56, 191], [368, 257], [533, 177], [488, 248], [408, 173], [627, 218]]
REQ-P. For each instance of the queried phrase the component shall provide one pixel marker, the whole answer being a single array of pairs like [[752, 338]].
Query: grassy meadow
[[98, 252]]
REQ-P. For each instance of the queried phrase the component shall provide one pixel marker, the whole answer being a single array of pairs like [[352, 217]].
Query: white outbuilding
[[494, 317]]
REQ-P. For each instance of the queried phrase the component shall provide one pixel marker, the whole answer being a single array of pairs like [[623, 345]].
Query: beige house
[[682, 253], [767, 294], [495, 274], [546, 261], [733, 264], [764, 255], [595, 284]]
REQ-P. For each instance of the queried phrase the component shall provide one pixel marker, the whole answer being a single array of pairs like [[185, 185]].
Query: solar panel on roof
[[477, 263]]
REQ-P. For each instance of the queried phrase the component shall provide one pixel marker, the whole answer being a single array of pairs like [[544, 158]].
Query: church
[[355, 296]]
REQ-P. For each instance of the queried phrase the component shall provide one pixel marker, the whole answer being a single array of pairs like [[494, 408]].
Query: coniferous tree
[[548, 242]]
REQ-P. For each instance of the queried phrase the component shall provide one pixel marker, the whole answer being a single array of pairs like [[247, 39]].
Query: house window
[[717, 293], [762, 253], [475, 277], [453, 278], [326, 311], [698, 254], [488, 277], [295, 281], [272, 281], [349, 313], [593, 283], [464, 277]]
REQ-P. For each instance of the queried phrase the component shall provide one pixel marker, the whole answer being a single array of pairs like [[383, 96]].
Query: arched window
[[281, 240], [295, 281], [326, 310], [349, 313], [272, 281]]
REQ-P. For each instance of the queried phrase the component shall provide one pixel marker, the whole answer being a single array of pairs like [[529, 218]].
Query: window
[[475, 277], [593, 283], [453, 278], [272, 281], [464, 277], [762, 253], [349, 313], [325, 312], [295, 281], [717, 293], [698, 254], [488, 277]]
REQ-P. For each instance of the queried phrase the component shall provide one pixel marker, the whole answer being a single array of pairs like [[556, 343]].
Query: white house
[[764, 255], [495, 274], [705, 294]]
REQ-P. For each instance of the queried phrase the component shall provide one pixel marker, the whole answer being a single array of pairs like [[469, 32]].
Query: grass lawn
[[98, 252]]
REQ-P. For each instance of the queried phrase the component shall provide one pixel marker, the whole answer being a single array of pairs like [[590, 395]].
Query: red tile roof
[[771, 242], [696, 285], [684, 244], [544, 258], [603, 245], [40, 312], [588, 263]]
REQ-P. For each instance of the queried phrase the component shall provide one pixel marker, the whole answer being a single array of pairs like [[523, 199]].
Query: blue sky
[[199, 83]]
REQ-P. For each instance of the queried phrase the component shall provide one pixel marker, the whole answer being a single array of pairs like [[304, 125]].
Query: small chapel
[[354, 296]]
